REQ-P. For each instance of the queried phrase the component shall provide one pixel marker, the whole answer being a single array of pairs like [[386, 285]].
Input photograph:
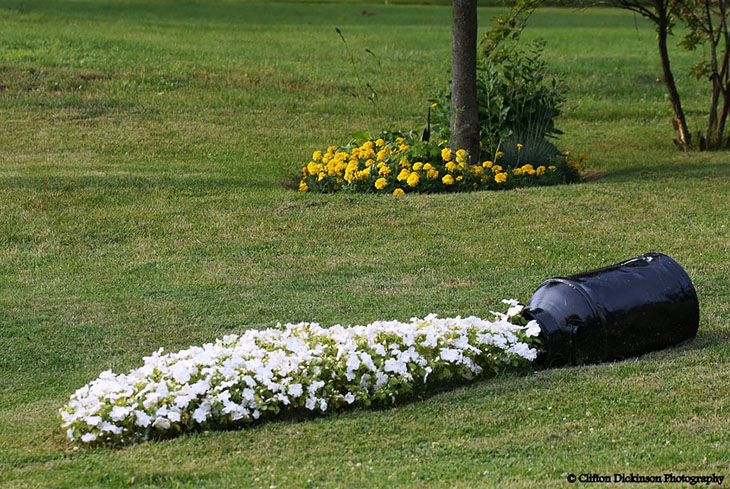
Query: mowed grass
[[145, 153]]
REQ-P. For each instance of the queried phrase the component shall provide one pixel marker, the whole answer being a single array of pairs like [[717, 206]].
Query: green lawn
[[145, 149]]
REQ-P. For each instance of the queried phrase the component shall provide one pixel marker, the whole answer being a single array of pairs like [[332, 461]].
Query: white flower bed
[[296, 368]]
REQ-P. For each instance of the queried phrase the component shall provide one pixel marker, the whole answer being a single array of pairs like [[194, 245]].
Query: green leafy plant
[[519, 101]]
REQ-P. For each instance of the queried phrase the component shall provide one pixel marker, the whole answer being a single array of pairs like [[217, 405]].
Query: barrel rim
[[578, 288]]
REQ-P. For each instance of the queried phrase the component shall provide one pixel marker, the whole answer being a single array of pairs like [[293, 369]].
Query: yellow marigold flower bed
[[398, 164]]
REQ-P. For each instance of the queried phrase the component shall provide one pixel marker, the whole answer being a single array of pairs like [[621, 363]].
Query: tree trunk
[[464, 109], [710, 130], [720, 130], [724, 80], [685, 140]]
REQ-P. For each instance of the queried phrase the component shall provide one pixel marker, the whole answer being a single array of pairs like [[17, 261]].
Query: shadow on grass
[[196, 182], [685, 170]]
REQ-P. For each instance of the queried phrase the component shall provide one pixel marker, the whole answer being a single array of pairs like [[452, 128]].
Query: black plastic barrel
[[639, 305]]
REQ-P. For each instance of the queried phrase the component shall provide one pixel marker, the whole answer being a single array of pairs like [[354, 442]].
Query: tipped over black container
[[639, 305]]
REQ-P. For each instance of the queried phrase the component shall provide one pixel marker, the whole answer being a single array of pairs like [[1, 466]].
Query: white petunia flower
[[180, 373], [524, 351], [118, 413], [109, 427], [143, 419], [183, 401], [353, 363], [201, 414], [295, 390], [451, 355], [462, 343], [93, 420], [249, 395], [315, 386], [88, 437], [515, 310], [532, 329], [161, 423]]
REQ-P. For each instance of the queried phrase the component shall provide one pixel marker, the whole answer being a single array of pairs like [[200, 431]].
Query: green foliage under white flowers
[[296, 368]]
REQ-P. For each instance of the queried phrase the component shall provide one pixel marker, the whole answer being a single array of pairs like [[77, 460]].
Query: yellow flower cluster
[[382, 166], [574, 164], [531, 171]]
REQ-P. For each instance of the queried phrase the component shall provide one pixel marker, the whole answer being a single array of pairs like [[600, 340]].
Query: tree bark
[[710, 130], [721, 123], [714, 78], [723, 80], [685, 139], [464, 108]]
